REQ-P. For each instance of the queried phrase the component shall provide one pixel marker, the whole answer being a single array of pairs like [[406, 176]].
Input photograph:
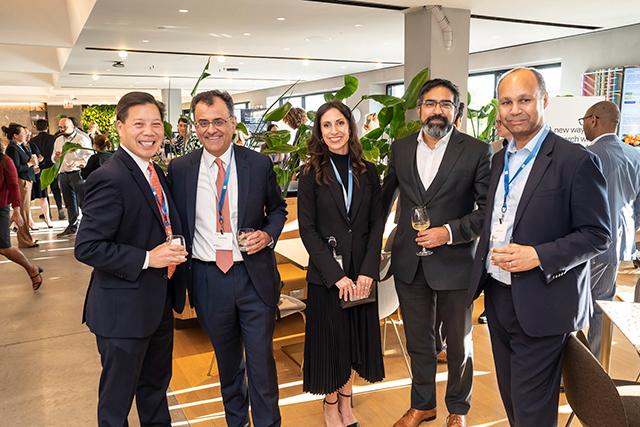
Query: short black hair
[[433, 83], [41, 125], [183, 119], [132, 99], [209, 98], [74, 121]]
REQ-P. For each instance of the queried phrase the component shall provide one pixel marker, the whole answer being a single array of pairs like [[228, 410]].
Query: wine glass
[[420, 221]]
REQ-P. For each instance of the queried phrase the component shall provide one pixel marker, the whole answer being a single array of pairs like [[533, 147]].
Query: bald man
[[621, 168]]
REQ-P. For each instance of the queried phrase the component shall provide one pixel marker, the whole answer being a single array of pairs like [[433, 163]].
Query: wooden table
[[294, 251], [626, 316]]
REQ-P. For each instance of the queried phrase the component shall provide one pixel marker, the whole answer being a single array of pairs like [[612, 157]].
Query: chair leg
[[384, 335], [213, 358], [304, 320], [404, 353], [570, 420]]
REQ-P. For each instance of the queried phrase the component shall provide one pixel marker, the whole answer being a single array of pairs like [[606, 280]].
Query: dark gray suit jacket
[[457, 197]]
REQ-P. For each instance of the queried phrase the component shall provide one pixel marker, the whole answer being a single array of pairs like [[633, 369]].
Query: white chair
[[286, 306], [388, 304]]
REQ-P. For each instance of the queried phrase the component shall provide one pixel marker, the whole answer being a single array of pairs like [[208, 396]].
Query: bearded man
[[447, 172]]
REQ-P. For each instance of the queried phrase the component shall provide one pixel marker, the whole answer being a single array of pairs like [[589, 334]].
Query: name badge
[[223, 242], [499, 232]]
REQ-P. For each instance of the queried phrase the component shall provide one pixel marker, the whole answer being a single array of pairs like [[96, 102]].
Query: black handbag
[[372, 297]]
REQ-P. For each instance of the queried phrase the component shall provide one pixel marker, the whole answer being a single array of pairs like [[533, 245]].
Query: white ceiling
[[45, 58]]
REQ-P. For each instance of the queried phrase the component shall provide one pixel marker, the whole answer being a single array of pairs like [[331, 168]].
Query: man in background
[[69, 179], [621, 168], [45, 142]]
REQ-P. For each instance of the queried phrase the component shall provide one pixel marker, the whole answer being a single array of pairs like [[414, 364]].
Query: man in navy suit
[[621, 168], [218, 190], [547, 216], [128, 217]]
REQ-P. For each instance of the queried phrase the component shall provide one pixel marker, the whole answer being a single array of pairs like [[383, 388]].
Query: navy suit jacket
[[260, 206], [121, 222], [563, 213]]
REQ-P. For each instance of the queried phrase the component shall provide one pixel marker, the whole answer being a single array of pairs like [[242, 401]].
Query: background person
[[100, 143], [45, 142], [94, 130], [621, 168], [10, 195], [340, 342], [37, 192], [19, 152]]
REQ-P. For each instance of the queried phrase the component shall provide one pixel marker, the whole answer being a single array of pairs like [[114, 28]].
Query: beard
[[436, 130]]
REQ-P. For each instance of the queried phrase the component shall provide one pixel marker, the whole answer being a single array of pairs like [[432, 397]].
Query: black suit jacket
[[20, 159], [563, 213], [121, 222], [322, 213], [457, 196], [45, 142], [260, 206]]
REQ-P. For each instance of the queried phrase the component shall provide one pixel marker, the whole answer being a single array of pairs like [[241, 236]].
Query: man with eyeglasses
[[219, 190], [621, 168], [70, 181], [447, 172]]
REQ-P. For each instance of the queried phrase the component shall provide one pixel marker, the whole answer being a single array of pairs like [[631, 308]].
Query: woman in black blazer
[[340, 341], [102, 144]]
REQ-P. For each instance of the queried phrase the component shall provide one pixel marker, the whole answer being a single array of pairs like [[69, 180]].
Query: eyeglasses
[[581, 119], [204, 124], [444, 104]]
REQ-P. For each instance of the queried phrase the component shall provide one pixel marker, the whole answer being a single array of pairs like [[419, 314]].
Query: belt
[[504, 285], [213, 263]]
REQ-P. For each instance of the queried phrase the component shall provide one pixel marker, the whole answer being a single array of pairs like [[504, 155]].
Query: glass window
[[395, 89], [481, 87], [313, 102]]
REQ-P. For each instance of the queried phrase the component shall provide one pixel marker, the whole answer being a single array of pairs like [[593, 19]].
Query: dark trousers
[[239, 323], [57, 195], [603, 287], [528, 368], [139, 367], [418, 303], [72, 187]]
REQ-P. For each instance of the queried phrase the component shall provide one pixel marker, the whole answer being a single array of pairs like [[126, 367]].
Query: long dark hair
[[319, 153]]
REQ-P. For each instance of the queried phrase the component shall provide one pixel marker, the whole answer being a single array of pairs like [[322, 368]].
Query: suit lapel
[[451, 155], [191, 189], [357, 194], [141, 181], [407, 156], [540, 165], [243, 172]]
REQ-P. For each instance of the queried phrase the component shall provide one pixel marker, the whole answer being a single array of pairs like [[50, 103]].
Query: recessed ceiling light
[[247, 34], [378, 64], [95, 77], [221, 58], [306, 62], [183, 11], [280, 19], [358, 25], [108, 69], [215, 35], [386, 43], [496, 37], [166, 79], [225, 35], [241, 63], [343, 67], [123, 54], [72, 97], [145, 41], [117, 98], [286, 48]]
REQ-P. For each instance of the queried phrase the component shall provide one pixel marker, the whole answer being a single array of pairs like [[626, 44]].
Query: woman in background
[[94, 130], [38, 193], [10, 195], [100, 143], [339, 196]]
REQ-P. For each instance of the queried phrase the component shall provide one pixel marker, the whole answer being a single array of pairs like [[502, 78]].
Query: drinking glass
[[176, 239], [420, 221], [243, 233]]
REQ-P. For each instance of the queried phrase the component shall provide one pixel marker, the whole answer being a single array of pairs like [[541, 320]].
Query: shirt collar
[[70, 137], [442, 141], [142, 163], [210, 158], [604, 134], [511, 147]]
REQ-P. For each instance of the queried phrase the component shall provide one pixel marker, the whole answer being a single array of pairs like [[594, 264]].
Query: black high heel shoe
[[350, 396]]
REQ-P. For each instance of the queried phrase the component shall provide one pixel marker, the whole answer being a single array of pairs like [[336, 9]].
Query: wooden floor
[[375, 404]]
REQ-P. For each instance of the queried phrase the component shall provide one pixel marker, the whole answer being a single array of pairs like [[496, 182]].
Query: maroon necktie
[[155, 183], [224, 258]]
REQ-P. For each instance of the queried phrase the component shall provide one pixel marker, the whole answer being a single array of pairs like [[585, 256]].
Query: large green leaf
[[168, 130], [277, 114], [280, 149], [242, 128], [48, 175], [371, 155], [328, 97], [384, 117], [411, 92], [366, 143], [203, 76], [277, 137], [374, 134], [414, 126], [397, 121], [386, 100], [349, 88]]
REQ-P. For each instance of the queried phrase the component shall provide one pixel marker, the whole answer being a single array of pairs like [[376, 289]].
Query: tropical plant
[[105, 117], [48, 175], [483, 120]]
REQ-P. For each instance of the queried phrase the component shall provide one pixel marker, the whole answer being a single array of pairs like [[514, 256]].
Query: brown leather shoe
[[456, 420], [413, 417]]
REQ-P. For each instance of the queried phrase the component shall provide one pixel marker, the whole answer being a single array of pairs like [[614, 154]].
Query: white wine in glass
[[420, 221]]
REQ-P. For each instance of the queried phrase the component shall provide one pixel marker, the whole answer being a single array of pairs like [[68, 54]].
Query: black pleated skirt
[[337, 340]]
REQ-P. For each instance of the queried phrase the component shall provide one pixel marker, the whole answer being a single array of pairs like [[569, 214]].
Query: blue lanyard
[[348, 193], [532, 154], [164, 210], [224, 189]]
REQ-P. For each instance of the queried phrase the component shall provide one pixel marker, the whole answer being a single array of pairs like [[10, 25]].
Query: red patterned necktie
[[155, 183], [224, 258]]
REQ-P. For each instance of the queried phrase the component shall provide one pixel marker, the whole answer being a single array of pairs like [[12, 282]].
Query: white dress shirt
[[516, 158], [70, 159], [428, 162], [207, 223]]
